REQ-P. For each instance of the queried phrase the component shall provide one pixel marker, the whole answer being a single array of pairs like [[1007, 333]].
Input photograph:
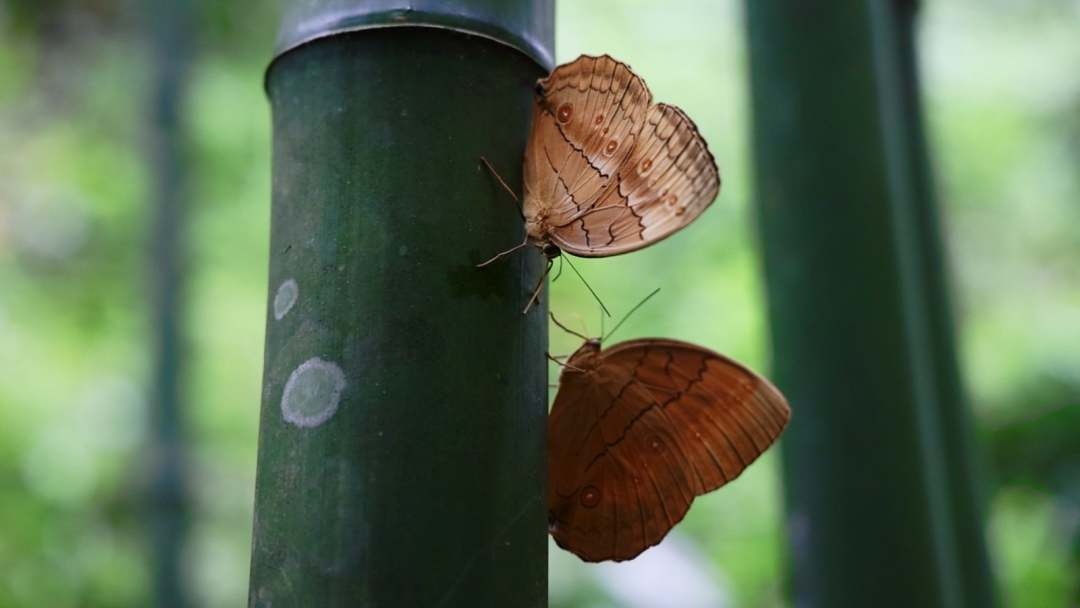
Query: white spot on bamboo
[[312, 393], [285, 297]]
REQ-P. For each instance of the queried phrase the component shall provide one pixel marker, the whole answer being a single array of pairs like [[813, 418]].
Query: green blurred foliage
[[1003, 101], [75, 209]]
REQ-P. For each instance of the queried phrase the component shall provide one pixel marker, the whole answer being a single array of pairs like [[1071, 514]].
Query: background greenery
[[1003, 98]]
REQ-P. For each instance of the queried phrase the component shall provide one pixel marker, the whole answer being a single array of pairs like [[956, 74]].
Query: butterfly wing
[[605, 500], [667, 181], [655, 424], [585, 120]]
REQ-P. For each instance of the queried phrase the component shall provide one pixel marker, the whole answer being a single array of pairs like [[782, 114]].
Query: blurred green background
[[1002, 90]]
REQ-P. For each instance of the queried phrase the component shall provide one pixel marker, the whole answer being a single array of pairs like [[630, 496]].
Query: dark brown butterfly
[[640, 429]]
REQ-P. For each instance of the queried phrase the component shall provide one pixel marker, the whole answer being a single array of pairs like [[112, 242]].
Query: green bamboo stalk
[[867, 474], [402, 439]]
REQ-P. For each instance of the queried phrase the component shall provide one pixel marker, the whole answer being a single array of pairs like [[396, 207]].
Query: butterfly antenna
[[565, 328], [502, 182], [627, 315], [589, 287], [584, 325]]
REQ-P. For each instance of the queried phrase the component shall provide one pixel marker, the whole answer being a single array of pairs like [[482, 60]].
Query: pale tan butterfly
[[607, 171]]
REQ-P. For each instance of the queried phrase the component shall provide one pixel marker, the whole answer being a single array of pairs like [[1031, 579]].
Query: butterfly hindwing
[[610, 495]]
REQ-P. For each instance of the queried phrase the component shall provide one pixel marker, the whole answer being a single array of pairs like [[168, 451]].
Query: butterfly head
[[585, 358]]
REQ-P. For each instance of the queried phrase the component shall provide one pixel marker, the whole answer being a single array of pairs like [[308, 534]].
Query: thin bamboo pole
[[168, 39]]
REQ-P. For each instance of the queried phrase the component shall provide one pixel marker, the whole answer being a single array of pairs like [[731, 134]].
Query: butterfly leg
[[505, 253], [556, 361], [502, 182], [539, 287]]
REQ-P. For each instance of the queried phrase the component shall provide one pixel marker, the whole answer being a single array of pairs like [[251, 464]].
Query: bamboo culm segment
[[401, 449]]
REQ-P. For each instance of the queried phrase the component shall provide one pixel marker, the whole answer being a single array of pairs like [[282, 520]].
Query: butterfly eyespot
[[599, 120], [645, 166], [680, 211], [590, 497], [656, 443], [670, 200], [564, 113], [611, 146]]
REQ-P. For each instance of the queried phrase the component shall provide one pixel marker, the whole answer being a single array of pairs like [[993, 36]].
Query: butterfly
[[638, 430], [606, 170]]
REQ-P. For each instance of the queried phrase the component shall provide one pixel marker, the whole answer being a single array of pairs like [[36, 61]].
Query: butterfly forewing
[[634, 439], [598, 105], [584, 123], [730, 408], [558, 174]]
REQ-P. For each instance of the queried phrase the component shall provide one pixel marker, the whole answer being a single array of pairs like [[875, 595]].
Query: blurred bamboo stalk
[[963, 469], [875, 460], [168, 38]]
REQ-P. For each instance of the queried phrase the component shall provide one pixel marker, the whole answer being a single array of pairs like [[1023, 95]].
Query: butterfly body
[[640, 429], [537, 229]]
